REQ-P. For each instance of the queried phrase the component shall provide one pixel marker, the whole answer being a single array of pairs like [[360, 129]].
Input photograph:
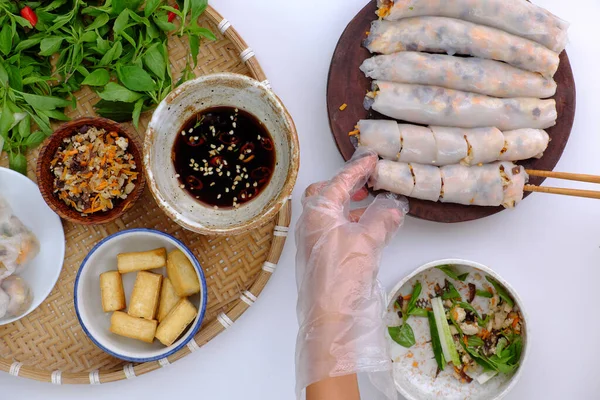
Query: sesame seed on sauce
[[237, 157]]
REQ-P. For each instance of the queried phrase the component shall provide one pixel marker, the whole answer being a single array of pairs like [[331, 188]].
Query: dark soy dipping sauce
[[223, 157]]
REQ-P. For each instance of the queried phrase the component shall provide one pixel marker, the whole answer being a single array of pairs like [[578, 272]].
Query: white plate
[[28, 205], [415, 368]]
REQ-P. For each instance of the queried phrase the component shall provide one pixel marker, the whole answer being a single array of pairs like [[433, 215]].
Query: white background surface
[[548, 248]]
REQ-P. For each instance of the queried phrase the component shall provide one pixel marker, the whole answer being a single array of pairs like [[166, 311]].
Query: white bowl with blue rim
[[88, 304], [415, 369]]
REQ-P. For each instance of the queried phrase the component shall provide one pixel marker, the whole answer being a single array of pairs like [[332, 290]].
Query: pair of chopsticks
[[564, 175]]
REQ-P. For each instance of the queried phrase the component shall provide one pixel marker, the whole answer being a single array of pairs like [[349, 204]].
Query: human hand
[[340, 304]]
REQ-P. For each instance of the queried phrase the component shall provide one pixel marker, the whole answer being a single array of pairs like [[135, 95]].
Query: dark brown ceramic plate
[[348, 85], [45, 177]]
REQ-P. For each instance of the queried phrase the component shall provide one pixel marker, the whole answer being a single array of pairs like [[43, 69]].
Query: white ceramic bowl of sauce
[[186, 101]]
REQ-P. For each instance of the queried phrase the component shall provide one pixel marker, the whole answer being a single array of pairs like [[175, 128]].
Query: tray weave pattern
[[49, 345]]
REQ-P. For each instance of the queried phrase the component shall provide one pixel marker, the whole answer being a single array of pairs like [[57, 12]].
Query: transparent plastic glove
[[340, 303]]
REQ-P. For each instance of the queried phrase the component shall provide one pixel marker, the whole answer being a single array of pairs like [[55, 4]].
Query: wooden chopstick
[[591, 194], [564, 175]]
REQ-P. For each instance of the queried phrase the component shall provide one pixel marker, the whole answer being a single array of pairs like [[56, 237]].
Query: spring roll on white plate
[[453, 36], [519, 17], [470, 74], [499, 183], [438, 145], [434, 105]]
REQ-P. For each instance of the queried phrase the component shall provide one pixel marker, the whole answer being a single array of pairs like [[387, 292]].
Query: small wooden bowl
[[45, 177]]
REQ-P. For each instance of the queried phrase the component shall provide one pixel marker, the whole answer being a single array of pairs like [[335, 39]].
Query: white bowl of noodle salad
[[456, 330]]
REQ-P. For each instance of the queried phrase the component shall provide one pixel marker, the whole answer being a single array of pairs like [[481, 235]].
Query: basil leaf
[[451, 293], [22, 21], [467, 306], [4, 75], [14, 77], [88, 37], [155, 62], [112, 54], [24, 127], [501, 291], [151, 6], [194, 42], [57, 115], [484, 322], [6, 120], [140, 20], [34, 140], [115, 110], [413, 299], [17, 162], [152, 31], [44, 103], [451, 272], [203, 32], [6, 36], [136, 78], [475, 341], [121, 22], [418, 312], [137, 110], [98, 77], [51, 45], [163, 24], [483, 293], [100, 21], [119, 5], [27, 43], [403, 335], [198, 7], [115, 92]]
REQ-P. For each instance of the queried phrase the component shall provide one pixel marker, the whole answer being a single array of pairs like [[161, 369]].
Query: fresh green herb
[[435, 342], [403, 335], [468, 307], [483, 322], [475, 341], [451, 293], [418, 312], [413, 299], [508, 353], [484, 293], [119, 47], [501, 291], [451, 272]]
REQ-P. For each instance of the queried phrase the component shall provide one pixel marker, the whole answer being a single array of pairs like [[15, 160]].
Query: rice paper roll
[[18, 245], [451, 145], [488, 189], [434, 105], [392, 176], [514, 177], [428, 182], [453, 36], [383, 136], [458, 184], [470, 74], [484, 145], [518, 17], [418, 144], [522, 144]]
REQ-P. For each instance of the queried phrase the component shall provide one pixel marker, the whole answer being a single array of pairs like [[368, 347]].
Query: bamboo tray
[[49, 345]]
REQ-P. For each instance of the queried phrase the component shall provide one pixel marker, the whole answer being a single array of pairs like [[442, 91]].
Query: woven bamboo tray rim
[[262, 247]]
